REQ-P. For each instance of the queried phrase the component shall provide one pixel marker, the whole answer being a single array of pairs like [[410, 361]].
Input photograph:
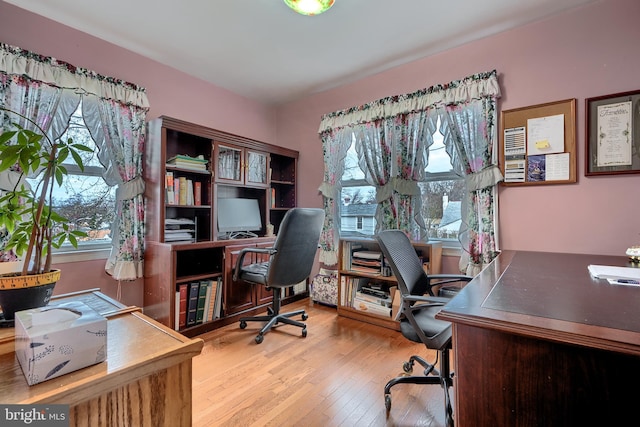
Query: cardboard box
[[55, 340]]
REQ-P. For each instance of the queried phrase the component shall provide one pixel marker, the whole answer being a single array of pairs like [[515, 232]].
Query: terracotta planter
[[24, 292]]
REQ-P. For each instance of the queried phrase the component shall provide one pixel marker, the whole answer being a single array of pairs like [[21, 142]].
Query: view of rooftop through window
[[442, 194]]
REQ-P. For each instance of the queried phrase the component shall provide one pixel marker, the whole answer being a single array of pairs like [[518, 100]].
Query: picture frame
[[612, 134]]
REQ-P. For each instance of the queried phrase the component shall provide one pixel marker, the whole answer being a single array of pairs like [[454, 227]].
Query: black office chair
[[290, 261], [419, 307]]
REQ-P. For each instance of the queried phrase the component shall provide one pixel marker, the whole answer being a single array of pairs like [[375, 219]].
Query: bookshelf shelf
[[183, 245], [351, 282]]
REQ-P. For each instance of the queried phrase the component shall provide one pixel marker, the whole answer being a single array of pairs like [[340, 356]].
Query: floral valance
[[18, 62], [473, 87]]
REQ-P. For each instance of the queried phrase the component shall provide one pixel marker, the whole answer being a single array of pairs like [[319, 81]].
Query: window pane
[[357, 210], [84, 198], [441, 207]]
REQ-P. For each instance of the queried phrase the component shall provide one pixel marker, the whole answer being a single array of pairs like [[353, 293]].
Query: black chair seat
[[290, 262], [438, 331], [419, 323]]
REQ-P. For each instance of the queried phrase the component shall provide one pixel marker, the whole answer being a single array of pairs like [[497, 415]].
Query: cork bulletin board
[[538, 144]]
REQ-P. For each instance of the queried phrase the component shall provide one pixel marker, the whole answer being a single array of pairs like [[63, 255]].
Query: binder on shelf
[[176, 312], [183, 291], [197, 190], [202, 300], [176, 191], [182, 200], [218, 305], [170, 197], [192, 303], [211, 292]]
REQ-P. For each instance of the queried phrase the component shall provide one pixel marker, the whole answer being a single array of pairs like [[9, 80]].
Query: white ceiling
[[263, 50]]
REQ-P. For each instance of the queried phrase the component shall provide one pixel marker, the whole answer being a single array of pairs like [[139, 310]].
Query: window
[[442, 193], [85, 198]]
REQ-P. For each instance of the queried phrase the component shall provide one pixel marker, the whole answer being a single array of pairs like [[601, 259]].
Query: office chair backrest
[[412, 280], [296, 246]]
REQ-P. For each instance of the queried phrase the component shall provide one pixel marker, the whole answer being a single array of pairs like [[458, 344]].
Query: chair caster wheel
[[407, 367], [305, 316], [304, 333], [259, 339], [243, 324], [387, 403]]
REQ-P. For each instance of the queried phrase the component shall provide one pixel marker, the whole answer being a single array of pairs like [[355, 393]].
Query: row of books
[[188, 162], [182, 191], [198, 302]]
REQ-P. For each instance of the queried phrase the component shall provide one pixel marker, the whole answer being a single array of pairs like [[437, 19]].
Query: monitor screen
[[238, 215]]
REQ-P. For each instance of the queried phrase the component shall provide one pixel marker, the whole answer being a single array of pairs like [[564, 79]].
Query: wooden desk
[[145, 381], [538, 342]]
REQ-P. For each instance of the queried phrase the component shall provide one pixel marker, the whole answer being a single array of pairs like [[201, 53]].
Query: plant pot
[[24, 292]]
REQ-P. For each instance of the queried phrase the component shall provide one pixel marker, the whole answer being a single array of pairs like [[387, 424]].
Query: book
[[202, 301], [176, 191], [169, 187], [176, 312], [187, 159], [373, 308], [197, 193], [192, 303], [189, 193], [367, 255], [183, 290], [218, 304], [182, 195], [210, 311]]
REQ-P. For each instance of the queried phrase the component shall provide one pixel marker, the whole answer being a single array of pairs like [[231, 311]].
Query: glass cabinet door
[[229, 163], [256, 168]]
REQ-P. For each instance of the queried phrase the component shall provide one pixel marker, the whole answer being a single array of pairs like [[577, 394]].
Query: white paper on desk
[[612, 272]]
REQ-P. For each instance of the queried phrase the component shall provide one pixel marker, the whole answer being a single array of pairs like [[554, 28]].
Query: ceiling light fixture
[[309, 7]]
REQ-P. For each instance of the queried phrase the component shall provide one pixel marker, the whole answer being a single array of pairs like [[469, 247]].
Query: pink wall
[[590, 51], [171, 93]]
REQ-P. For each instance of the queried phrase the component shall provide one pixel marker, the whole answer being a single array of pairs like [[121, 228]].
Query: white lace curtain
[[392, 138], [49, 91]]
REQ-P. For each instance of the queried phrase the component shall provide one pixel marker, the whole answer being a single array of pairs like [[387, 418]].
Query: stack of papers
[[616, 275]]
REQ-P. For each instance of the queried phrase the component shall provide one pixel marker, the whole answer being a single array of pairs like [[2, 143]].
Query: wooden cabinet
[[241, 296], [240, 166], [369, 277], [145, 380], [183, 245]]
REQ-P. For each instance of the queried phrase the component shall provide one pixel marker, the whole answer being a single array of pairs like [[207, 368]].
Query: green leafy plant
[[27, 213]]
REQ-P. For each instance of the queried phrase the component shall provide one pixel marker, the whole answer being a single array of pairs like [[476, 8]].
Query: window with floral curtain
[[393, 136], [114, 111]]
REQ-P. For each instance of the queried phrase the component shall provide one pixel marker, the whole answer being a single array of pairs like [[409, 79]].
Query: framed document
[[613, 134]]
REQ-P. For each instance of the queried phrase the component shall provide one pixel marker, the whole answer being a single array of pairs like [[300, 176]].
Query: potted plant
[[27, 216]]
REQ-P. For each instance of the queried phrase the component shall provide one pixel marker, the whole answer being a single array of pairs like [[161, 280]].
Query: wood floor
[[333, 377]]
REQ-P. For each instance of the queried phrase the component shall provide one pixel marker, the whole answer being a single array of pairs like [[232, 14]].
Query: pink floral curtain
[[49, 91], [393, 136]]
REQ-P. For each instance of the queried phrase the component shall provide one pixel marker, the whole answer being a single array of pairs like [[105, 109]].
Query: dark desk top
[[552, 296]]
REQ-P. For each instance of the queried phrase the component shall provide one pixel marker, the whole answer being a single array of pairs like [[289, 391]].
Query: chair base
[[275, 319], [430, 375]]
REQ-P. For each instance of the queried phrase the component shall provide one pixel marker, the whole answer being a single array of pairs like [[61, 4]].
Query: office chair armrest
[[426, 299], [245, 251], [447, 278]]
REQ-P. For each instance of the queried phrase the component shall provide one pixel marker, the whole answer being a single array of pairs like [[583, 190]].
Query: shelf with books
[[367, 290], [182, 243]]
